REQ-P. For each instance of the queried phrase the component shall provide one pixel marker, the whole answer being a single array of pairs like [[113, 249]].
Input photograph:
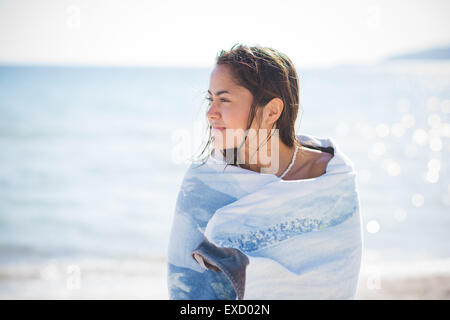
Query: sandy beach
[[147, 279], [405, 288]]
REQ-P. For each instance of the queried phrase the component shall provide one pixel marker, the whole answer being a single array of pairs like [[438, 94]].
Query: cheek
[[235, 118], [236, 123]]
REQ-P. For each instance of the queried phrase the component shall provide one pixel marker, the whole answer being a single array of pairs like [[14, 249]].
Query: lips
[[218, 128]]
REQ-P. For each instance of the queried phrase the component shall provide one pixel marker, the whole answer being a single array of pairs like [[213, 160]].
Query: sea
[[92, 158]]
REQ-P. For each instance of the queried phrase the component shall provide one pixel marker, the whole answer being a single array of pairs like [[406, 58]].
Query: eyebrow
[[219, 92]]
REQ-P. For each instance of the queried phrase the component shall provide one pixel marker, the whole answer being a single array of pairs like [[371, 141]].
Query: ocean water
[[89, 169]]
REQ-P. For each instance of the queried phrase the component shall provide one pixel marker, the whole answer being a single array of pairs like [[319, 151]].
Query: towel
[[240, 234]]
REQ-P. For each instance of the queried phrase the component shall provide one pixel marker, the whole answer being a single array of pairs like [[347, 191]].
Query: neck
[[274, 157]]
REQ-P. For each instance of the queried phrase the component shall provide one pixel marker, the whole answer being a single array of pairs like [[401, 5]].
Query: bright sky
[[312, 33]]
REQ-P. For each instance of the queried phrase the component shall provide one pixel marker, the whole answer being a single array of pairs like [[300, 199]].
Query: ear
[[272, 111]]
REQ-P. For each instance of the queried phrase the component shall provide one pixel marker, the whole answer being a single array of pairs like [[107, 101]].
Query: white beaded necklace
[[290, 165]]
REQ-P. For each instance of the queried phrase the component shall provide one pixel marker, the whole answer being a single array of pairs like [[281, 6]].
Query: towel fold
[[230, 261]]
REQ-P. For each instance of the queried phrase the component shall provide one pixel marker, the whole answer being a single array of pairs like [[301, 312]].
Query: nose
[[212, 113]]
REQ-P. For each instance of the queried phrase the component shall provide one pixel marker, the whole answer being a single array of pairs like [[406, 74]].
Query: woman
[[283, 221]]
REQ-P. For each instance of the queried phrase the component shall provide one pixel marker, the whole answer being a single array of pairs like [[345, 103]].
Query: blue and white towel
[[262, 237]]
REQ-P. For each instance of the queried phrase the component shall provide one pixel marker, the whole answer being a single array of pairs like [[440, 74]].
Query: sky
[[313, 33]]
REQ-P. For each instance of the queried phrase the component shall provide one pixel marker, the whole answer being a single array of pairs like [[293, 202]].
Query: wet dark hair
[[267, 74]]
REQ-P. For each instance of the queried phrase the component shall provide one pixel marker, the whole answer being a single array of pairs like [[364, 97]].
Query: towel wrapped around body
[[240, 234]]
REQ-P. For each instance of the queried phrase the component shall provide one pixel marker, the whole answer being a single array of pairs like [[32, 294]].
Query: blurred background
[[100, 102]]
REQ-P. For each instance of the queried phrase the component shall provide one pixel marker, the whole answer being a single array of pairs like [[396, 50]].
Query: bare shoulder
[[324, 158], [314, 164], [321, 163]]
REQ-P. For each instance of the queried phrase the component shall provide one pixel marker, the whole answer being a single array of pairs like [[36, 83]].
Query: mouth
[[218, 128]]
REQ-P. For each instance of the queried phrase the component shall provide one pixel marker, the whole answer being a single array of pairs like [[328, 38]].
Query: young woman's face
[[229, 107]]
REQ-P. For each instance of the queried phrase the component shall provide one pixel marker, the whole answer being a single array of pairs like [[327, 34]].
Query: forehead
[[222, 79]]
